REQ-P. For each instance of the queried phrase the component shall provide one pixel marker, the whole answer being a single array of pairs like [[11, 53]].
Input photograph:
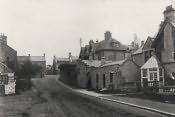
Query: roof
[[22, 58], [97, 63], [151, 63], [62, 59], [109, 44], [161, 30], [139, 51], [114, 63], [75, 57], [31, 58], [37, 58], [94, 63]]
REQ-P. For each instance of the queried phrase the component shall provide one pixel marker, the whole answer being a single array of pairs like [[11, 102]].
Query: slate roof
[[107, 45], [139, 51], [97, 63], [37, 58], [114, 63], [62, 59], [151, 63], [31, 58], [160, 31], [94, 63]]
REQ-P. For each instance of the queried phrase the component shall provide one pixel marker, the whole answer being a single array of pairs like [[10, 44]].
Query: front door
[[145, 82], [104, 81]]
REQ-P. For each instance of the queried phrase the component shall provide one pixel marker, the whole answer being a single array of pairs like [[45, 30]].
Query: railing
[[169, 90]]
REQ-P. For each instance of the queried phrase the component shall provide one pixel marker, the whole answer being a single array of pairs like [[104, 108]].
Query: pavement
[[163, 108]]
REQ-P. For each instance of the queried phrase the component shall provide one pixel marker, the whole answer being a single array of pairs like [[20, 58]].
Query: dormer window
[[115, 44]]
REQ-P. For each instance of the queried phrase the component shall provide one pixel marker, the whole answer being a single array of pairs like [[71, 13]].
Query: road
[[66, 103]]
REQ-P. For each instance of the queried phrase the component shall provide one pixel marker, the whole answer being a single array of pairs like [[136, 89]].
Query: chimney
[[70, 57], [103, 60], [169, 14], [44, 54], [142, 43], [3, 39], [28, 54], [108, 35]]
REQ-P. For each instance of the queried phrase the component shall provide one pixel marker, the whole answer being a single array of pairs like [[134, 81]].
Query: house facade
[[110, 48]]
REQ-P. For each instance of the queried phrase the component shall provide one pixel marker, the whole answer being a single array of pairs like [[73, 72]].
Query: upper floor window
[[144, 73]]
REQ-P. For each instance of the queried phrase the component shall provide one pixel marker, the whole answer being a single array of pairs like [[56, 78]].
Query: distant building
[[58, 61], [109, 48], [39, 61]]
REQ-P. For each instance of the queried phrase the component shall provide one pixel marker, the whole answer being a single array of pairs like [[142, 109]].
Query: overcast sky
[[54, 27]]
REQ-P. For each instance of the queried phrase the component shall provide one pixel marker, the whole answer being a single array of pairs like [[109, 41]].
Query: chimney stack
[[142, 43], [108, 35], [169, 14]]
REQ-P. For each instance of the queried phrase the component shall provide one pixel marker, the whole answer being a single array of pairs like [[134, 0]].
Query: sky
[[54, 27]]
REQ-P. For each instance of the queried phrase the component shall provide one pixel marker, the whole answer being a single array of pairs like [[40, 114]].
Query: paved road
[[67, 103]]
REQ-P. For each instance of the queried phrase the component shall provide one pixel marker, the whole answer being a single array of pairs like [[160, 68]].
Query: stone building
[[109, 48], [164, 45], [58, 61], [39, 61], [111, 75], [8, 55]]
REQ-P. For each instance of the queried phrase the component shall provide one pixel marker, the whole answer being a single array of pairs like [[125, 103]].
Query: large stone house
[[159, 70], [109, 48]]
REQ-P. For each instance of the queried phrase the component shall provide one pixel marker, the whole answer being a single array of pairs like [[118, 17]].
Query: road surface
[[66, 103]]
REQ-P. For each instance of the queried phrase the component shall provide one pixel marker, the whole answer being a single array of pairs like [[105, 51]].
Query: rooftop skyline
[[55, 27]]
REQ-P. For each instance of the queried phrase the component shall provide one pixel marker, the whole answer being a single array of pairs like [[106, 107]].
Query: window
[[155, 76], [97, 78], [111, 77], [152, 69], [144, 71], [151, 76]]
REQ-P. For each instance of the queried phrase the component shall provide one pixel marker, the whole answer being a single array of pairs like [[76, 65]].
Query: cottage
[[113, 75], [152, 74]]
